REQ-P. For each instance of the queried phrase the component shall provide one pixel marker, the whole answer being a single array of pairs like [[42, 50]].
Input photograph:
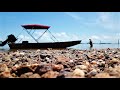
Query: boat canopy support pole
[[31, 35], [52, 35], [42, 34]]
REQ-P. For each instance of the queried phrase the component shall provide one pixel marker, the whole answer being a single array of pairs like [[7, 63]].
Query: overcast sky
[[65, 26]]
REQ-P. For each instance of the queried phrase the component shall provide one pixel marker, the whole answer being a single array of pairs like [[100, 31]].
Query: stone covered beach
[[66, 63]]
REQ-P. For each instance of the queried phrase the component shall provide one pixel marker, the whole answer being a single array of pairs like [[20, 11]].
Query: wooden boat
[[26, 45]]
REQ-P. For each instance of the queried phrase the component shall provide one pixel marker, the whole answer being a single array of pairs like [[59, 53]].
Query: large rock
[[21, 70], [6, 74], [102, 75], [3, 67], [78, 72], [57, 67]]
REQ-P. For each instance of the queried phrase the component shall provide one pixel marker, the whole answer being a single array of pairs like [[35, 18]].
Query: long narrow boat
[[26, 45]]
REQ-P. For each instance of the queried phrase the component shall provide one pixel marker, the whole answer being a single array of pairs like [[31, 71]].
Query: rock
[[71, 61], [102, 75], [50, 74], [115, 60], [78, 72], [38, 51], [66, 66], [41, 69], [57, 67], [21, 70], [3, 67], [35, 76], [6, 58], [113, 71], [100, 56], [82, 67], [91, 73], [22, 53], [94, 62], [43, 56], [6, 74], [26, 75], [62, 59]]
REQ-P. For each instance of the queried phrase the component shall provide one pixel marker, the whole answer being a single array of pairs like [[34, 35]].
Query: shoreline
[[65, 63]]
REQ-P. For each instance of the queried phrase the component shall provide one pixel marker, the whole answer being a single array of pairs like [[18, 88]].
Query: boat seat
[[24, 42]]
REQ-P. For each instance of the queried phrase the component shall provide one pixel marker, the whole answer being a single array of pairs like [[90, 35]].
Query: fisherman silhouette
[[91, 43]]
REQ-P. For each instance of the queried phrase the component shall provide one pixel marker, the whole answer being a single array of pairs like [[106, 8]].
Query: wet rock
[[78, 72], [50, 74], [57, 67]]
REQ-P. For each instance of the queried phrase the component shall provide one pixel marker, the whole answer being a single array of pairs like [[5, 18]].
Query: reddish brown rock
[[6, 74], [62, 59], [57, 67]]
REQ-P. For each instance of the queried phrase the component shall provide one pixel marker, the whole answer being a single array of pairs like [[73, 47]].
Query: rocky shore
[[67, 63]]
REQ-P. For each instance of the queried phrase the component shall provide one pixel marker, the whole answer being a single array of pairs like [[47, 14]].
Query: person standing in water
[[91, 43]]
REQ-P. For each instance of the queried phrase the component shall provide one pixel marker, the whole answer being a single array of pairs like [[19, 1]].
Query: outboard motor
[[11, 38]]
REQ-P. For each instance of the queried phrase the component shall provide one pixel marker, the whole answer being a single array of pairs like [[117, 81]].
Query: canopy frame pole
[[42, 34], [31, 35], [33, 31], [53, 35]]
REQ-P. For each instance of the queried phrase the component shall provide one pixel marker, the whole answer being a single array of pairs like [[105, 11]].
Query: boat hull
[[53, 45]]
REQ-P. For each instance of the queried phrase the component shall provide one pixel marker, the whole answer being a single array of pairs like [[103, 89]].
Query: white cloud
[[95, 37], [73, 15]]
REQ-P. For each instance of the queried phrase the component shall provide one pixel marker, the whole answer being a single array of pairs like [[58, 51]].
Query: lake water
[[96, 46], [81, 46]]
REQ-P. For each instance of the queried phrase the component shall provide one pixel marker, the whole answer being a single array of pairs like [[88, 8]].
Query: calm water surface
[[80, 46]]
